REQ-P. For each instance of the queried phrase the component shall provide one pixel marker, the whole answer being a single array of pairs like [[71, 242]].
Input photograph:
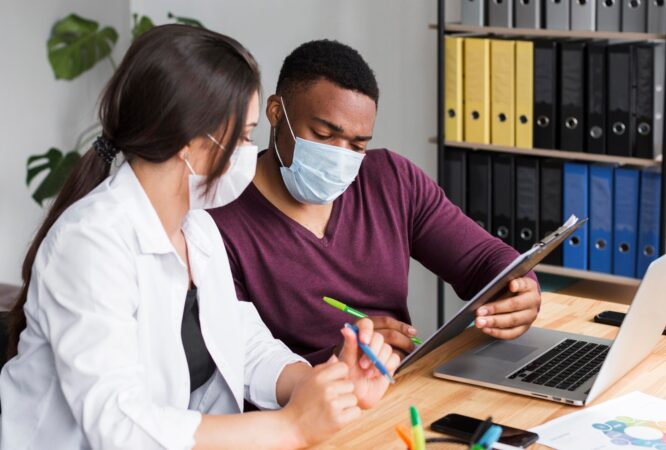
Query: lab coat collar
[[151, 236]]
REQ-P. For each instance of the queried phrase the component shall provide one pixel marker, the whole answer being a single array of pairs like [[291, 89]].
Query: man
[[325, 217]]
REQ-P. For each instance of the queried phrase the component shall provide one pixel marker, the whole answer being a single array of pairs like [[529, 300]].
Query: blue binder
[[601, 218], [576, 198], [625, 218], [648, 223]]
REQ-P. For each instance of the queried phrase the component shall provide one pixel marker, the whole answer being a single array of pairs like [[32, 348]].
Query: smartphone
[[612, 318], [463, 427]]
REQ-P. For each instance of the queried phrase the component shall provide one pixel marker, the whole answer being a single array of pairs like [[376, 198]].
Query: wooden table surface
[[436, 397]]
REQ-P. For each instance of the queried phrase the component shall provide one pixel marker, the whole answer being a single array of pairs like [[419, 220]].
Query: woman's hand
[[369, 384], [322, 403]]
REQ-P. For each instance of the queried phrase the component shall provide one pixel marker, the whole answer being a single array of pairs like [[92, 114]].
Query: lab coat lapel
[[217, 303]]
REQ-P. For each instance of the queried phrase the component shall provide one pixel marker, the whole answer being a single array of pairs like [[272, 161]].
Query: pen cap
[[335, 303], [416, 419]]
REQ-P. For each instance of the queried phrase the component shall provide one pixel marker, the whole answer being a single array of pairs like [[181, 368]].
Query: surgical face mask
[[319, 173], [229, 186]]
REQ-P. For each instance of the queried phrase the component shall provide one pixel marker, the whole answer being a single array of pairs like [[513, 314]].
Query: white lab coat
[[101, 363]]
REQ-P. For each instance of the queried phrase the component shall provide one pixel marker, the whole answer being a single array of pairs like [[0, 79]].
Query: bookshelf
[[442, 143]]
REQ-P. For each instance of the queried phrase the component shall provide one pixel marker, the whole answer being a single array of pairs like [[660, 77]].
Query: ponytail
[[89, 172], [175, 83]]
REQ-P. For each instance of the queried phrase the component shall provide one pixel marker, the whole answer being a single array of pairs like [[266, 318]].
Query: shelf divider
[[586, 275], [560, 154], [541, 32]]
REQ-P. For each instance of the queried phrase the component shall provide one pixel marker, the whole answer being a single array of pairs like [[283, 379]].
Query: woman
[[113, 352]]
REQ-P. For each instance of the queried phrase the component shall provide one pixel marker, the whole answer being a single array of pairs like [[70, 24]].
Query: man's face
[[323, 112]]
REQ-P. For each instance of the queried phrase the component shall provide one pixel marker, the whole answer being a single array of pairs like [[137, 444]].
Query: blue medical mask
[[319, 173]]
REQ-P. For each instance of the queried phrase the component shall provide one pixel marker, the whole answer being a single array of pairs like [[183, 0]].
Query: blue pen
[[370, 354], [490, 437]]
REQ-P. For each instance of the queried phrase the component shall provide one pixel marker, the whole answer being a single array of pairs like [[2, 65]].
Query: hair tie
[[105, 149]]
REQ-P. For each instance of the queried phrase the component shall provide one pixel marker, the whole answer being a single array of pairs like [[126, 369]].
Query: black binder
[[502, 194], [644, 76], [478, 189], [550, 217], [545, 93], [596, 97], [572, 95], [455, 171], [620, 97], [527, 203]]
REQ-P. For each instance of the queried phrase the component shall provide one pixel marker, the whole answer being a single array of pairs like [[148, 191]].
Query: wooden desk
[[435, 397]]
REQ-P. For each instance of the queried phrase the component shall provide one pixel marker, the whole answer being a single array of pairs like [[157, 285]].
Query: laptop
[[567, 367]]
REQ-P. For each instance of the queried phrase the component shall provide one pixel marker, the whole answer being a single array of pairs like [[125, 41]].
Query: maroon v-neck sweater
[[392, 211]]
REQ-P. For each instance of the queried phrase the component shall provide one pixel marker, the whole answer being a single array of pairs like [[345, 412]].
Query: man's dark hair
[[329, 60]]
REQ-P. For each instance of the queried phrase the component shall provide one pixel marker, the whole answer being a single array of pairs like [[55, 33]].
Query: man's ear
[[274, 110]]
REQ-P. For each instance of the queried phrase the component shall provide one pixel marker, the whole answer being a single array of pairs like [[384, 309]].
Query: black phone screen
[[463, 427]]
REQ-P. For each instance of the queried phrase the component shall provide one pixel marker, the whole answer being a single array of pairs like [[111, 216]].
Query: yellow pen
[[418, 438]]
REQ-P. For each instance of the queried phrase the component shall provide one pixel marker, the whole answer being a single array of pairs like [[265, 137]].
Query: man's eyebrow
[[339, 129], [253, 124]]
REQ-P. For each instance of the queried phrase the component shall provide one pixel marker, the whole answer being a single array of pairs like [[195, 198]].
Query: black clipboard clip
[[572, 224]]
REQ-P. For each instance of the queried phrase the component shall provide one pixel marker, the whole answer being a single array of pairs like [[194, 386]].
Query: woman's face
[[203, 151]]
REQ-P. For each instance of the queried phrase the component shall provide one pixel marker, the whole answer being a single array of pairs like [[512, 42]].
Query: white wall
[[392, 35], [37, 111]]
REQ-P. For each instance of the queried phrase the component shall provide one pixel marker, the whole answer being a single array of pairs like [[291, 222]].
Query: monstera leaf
[[77, 44], [58, 165], [185, 20], [141, 25]]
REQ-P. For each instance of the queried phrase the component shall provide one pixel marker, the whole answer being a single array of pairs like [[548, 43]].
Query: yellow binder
[[477, 90], [503, 92], [453, 88], [524, 93]]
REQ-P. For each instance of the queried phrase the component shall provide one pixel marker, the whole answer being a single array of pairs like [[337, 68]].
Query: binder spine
[[657, 16], [634, 16], [572, 96], [645, 89], [528, 14], [474, 12], [583, 15], [545, 94], [609, 15], [500, 13], [596, 99], [558, 14]]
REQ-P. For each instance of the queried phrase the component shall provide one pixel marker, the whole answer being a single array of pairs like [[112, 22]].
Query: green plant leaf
[[185, 20], [141, 25], [77, 44], [59, 166]]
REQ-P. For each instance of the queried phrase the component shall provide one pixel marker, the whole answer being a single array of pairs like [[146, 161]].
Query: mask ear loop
[[287, 117], [277, 152], [187, 163]]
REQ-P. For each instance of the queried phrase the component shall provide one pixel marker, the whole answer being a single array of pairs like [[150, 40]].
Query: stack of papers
[[633, 421]]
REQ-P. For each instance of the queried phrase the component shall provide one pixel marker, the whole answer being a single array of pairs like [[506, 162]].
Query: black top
[[199, 361]]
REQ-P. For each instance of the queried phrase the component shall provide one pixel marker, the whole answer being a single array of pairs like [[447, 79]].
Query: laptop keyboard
[[566, 366]]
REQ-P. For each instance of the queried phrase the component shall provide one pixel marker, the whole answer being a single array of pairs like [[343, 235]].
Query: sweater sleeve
[[446, 241]]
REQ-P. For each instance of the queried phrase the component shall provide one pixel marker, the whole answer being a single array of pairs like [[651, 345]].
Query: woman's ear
[[274, 110], [184, 153]]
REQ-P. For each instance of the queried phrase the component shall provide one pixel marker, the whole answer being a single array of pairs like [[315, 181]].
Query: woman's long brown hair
[[175, 83]]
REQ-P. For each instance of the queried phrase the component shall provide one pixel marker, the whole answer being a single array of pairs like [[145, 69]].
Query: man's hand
[[510, 317], [396, 334]]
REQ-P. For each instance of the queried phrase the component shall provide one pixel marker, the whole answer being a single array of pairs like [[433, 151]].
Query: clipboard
[[518, 268]]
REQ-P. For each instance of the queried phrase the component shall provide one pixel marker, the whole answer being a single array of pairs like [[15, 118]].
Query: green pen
[[349, 310]]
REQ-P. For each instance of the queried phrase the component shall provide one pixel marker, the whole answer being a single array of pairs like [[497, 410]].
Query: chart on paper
[[634, 420]]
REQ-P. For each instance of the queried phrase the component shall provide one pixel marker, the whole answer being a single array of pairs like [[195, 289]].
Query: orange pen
[[405, 435]]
